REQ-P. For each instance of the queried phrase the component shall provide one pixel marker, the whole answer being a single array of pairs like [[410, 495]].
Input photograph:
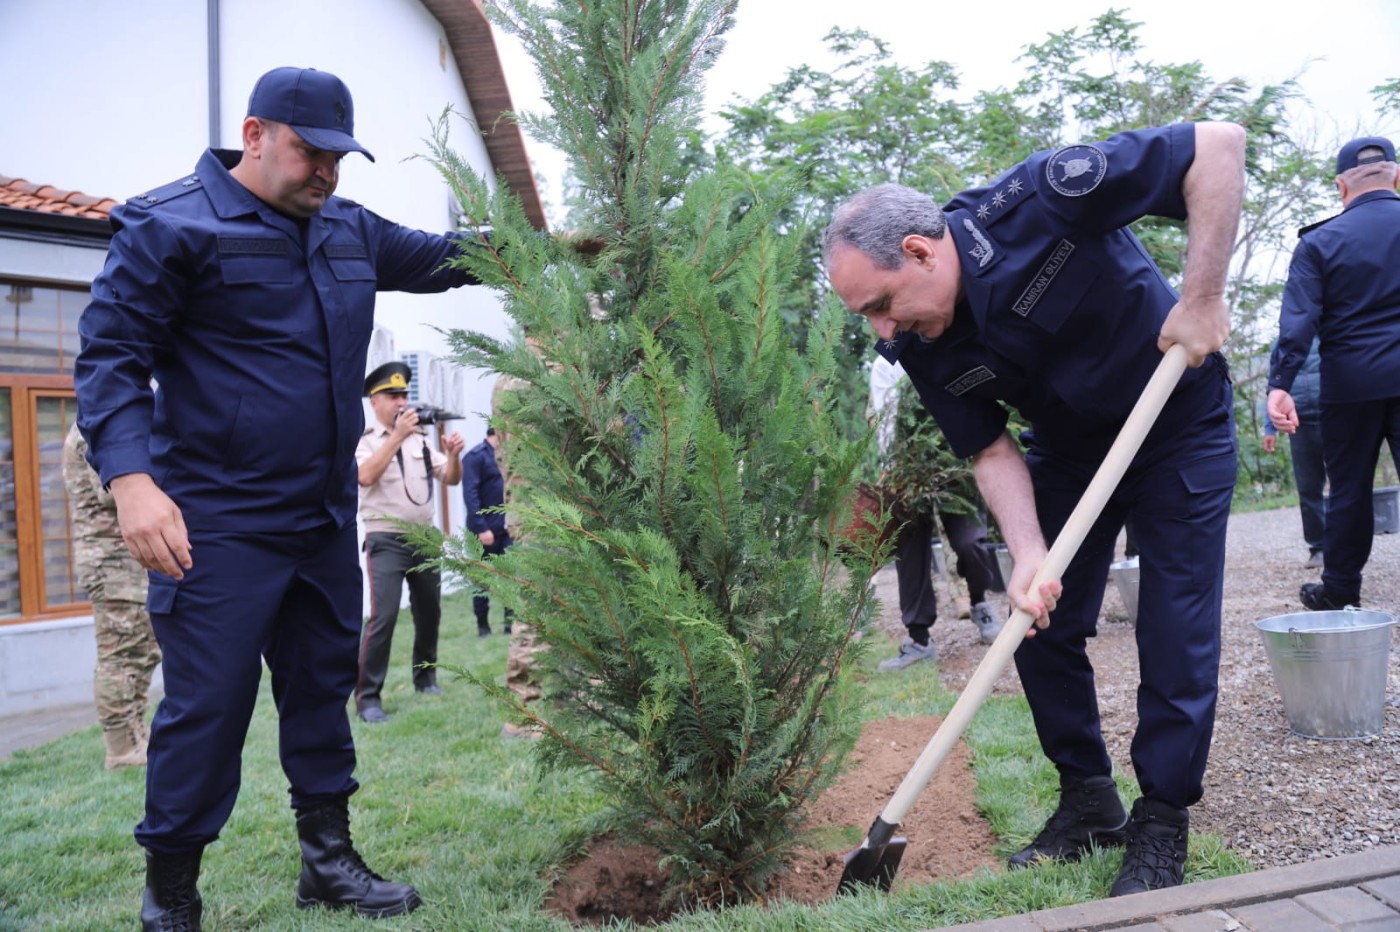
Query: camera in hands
[[428, 414]]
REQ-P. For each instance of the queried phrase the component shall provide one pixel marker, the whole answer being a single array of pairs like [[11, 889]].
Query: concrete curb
[[1224, 893]]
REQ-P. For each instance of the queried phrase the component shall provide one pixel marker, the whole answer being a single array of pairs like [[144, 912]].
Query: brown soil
[[1272, 796], [947, 837]]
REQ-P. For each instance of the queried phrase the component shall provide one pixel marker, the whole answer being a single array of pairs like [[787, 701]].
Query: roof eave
[[473, 45], [38, 224]]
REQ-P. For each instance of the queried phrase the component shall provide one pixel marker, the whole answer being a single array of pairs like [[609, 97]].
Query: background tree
[[872, 120], [681, 475]]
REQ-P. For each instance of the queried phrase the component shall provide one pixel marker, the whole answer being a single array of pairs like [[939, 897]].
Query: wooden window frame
[[25, 391]]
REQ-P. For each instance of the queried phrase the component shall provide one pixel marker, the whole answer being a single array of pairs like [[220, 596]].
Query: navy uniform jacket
[[255, 327], [483, 486], [1344, 286], [1062, 305]]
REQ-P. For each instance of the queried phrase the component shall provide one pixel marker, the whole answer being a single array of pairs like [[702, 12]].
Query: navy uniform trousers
[[1178, 498], [1352, 435], [292, 599]]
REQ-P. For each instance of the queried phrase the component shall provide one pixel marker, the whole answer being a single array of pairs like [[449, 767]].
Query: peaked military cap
[[390, 377]]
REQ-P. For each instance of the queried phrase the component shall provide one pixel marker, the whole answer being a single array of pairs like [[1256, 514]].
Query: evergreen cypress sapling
[[681, 476]]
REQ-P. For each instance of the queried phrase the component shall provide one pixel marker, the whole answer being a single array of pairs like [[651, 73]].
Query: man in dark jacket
[[1344, 287], [1031, 292], [1305, 445], [246, 290], [483, 486]]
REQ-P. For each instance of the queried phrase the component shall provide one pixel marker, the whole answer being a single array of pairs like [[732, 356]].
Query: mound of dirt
[[948, 839]]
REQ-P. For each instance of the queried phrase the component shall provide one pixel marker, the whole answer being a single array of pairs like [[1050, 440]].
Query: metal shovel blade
[[874, 863]]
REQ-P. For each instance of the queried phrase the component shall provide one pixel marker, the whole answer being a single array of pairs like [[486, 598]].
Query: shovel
[[874, 863]]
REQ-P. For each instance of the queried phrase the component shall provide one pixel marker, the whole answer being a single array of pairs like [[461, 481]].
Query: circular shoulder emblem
[[1076, 170]]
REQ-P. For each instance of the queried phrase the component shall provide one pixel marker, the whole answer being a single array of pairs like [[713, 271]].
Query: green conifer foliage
[[682, 480]]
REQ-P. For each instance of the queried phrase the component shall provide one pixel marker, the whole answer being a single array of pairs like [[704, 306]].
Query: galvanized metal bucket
[[1125, 577], [1330, 669]]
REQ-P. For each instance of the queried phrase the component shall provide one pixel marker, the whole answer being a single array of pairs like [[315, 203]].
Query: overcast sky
[[1342, 54]]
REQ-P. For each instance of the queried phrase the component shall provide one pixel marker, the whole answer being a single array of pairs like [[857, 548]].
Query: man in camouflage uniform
[[127, 653], [524, 645]]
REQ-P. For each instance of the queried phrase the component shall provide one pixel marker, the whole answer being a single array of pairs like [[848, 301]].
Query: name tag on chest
[[970, 380]]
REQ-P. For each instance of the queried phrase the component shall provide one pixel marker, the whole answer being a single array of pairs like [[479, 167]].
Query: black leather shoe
[[432, 689], [1090, 813], [1316, 598], [1156, 853], [374, 715]]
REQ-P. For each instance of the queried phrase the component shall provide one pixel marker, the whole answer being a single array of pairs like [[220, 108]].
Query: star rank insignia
[[1001, 197]]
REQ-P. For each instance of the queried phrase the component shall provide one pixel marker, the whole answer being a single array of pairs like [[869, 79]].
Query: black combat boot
[[1090, 813], [1317, 598], [171, 902], [483, 627], [334, 875], [1156, 853]]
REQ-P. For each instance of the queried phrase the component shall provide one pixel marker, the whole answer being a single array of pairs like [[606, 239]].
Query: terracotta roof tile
[[19, 194]]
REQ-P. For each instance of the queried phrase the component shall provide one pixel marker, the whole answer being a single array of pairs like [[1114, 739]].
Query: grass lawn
[[449, 806]]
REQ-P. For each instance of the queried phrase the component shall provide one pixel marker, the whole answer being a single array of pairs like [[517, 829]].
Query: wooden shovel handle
[[1101, 487]]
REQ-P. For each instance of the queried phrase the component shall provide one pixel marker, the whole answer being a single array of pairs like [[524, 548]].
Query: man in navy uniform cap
[[1344, 287], [1031, 291], [396, 473], [247, 291]]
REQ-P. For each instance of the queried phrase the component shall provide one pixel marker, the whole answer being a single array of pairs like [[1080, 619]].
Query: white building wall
[[134, 114]]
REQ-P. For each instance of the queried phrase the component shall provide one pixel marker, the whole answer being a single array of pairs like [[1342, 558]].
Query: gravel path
[[1274, 797]]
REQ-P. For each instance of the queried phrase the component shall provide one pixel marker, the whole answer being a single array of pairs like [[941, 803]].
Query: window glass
[[52, 417], [9, 524], [39, 328]]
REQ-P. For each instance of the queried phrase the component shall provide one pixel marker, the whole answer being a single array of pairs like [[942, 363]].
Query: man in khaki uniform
[[396, 473], [127, 653]]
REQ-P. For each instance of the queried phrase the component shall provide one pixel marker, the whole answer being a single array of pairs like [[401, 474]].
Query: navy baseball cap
[[316, 104], [1347, 158]]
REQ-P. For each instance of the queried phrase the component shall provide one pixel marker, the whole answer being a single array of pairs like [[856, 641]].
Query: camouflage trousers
[[127, 655], [521, 656]]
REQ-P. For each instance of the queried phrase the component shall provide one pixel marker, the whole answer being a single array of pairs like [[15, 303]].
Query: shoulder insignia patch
[[1076, 170], [167, 192]]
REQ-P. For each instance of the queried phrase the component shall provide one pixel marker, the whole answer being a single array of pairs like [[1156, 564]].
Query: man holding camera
[[396, 472]]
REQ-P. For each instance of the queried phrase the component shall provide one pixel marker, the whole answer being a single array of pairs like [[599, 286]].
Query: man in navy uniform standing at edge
[[1344, 287], [1032, 291], [484, 486], [247, 291]]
